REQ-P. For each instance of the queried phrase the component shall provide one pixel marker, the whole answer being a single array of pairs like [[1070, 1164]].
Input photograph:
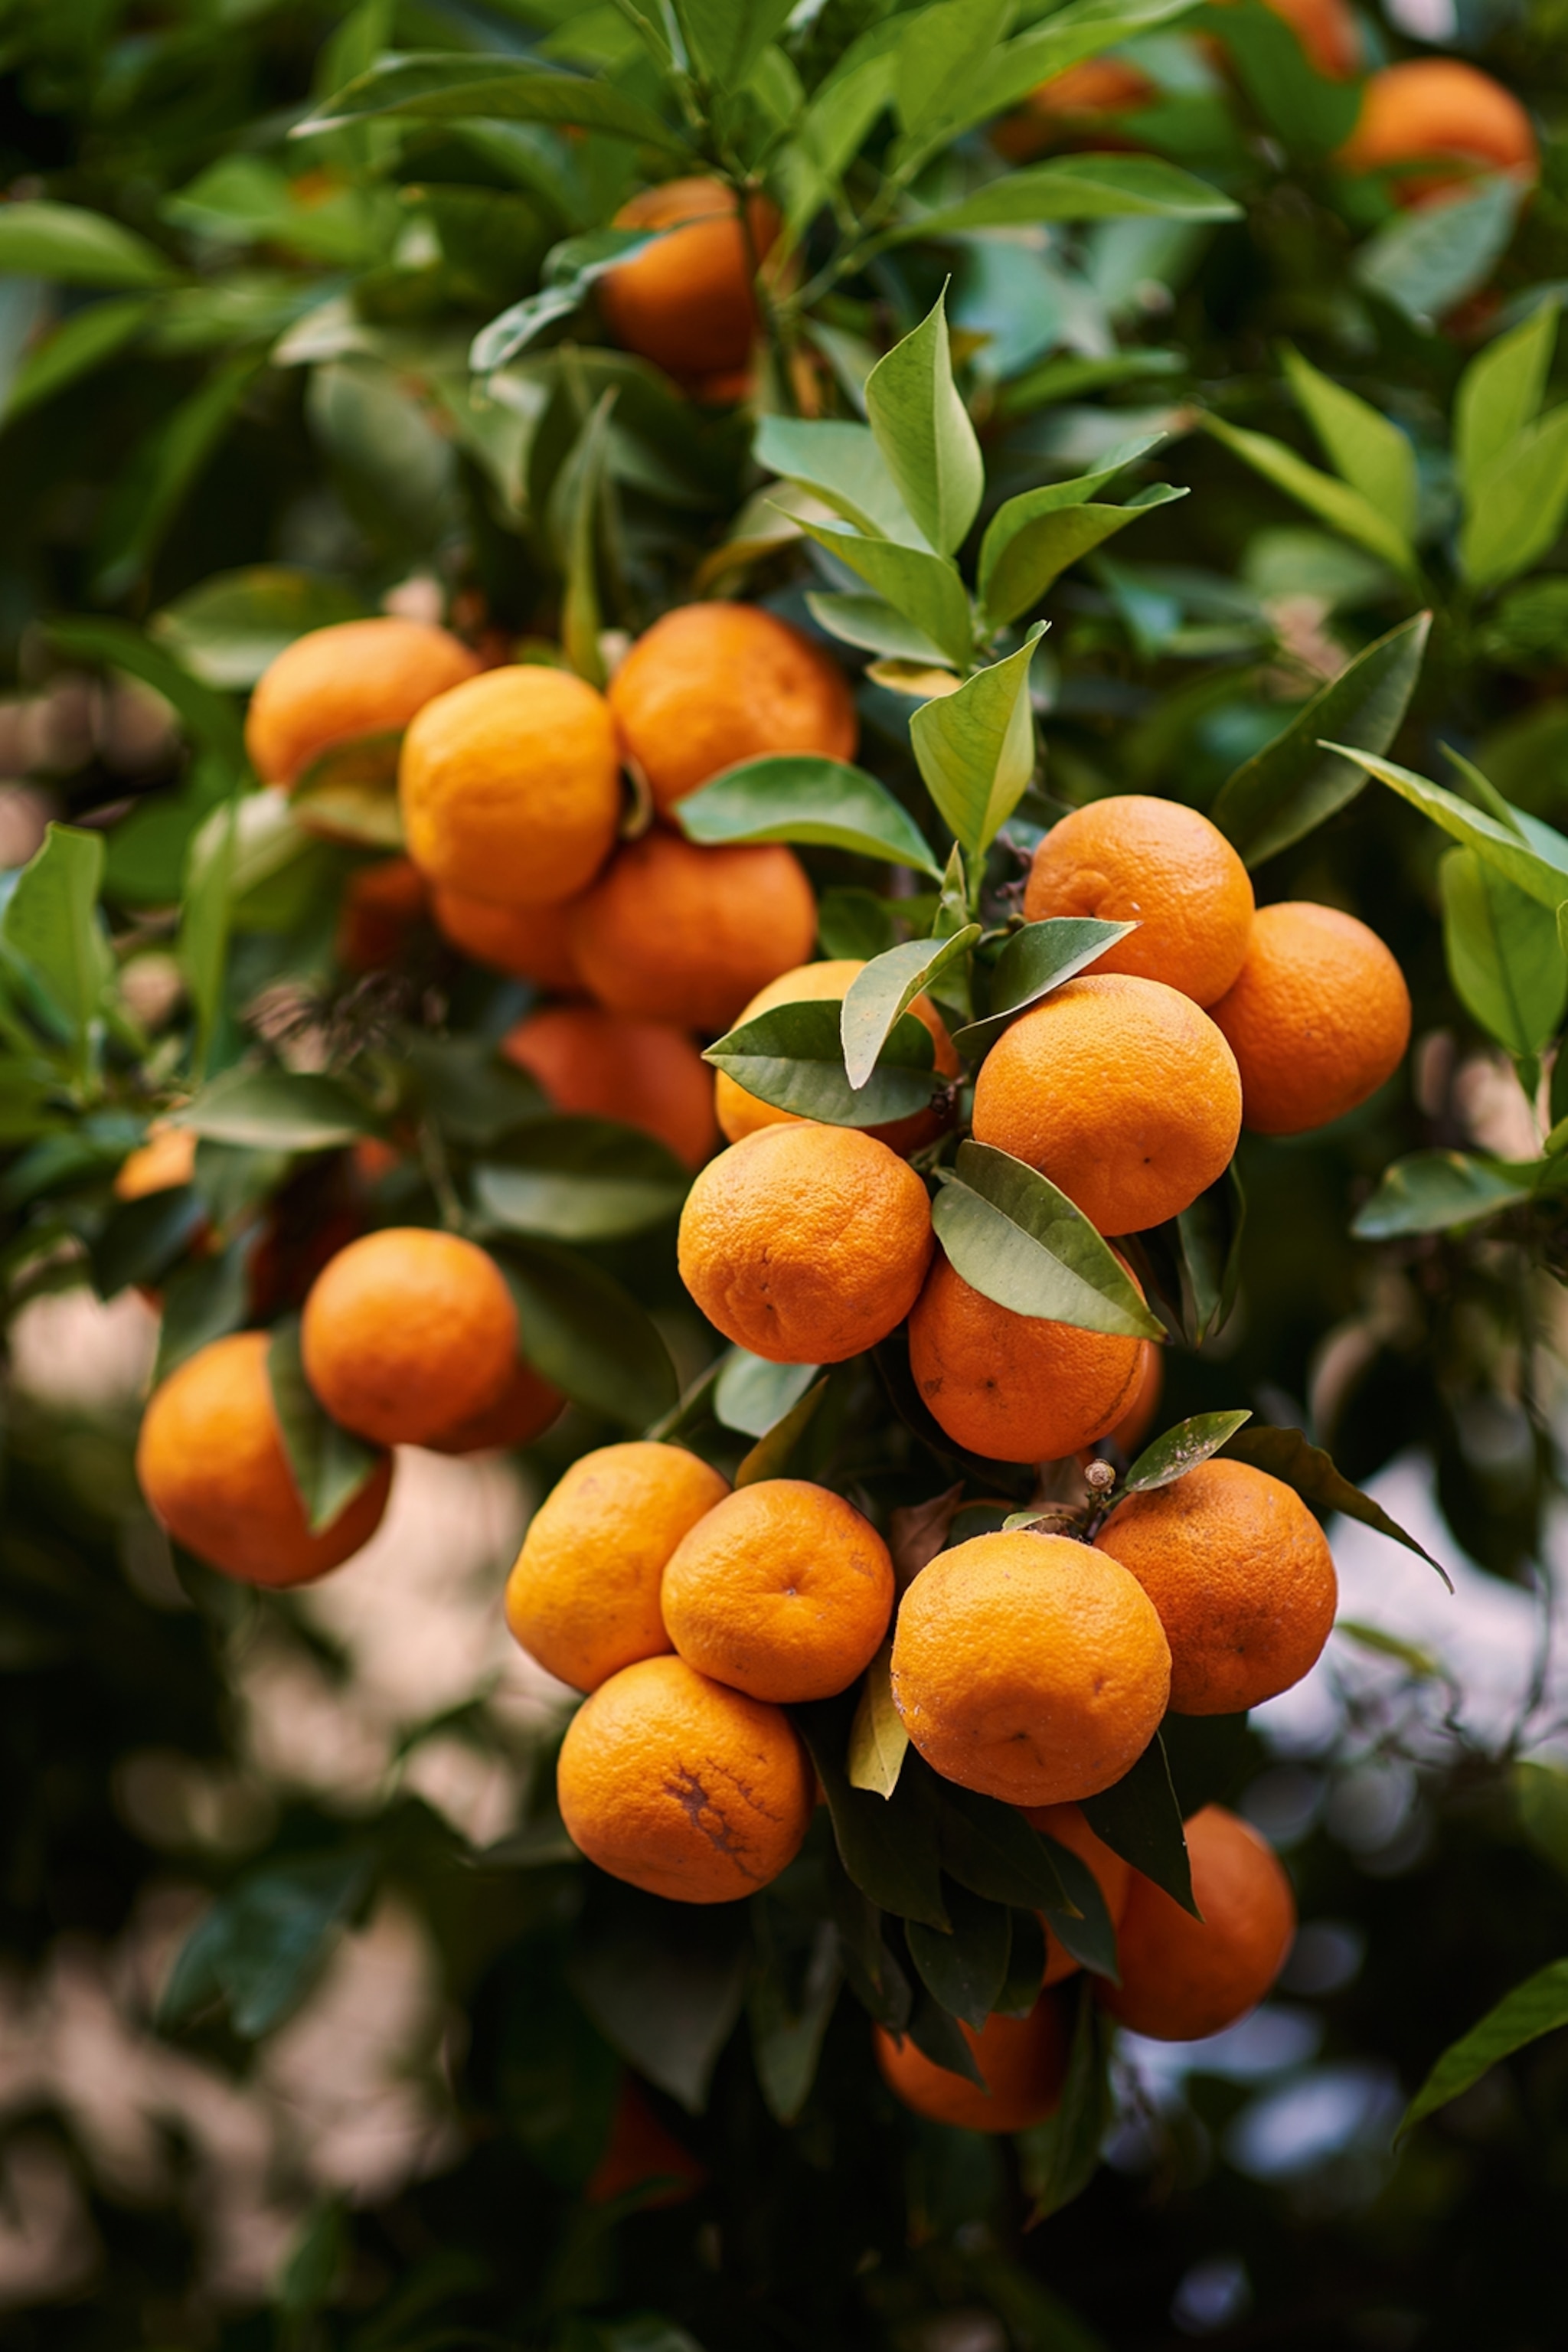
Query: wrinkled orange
[[601, 1064], [1427, 110], [408, 1333], [741, 1114], [1134, 859], [677, 933], [526, 942], [686, 301], [356, 678], [1318, 1019], [1113, 1876], [1184, 1978], [1023, 2059], [1015, 1387]]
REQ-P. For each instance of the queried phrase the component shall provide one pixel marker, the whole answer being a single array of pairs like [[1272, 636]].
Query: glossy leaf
[[1324, 495], [1538, 2006], [788, 2023], [842, 463], [1034, 539], [440, 88], [888, 1846], [1140, 1819], [1024, 1979], [1288, 1455], [927, 589], [73, 246], [1500, 392], [1182, 1449], [329, 1464], [935, 2034], [1080, 187], [1437, 1192], [1059, 2158], [1430, 257], [1364, 447], [1017, 1240], [725, 37], [792, 1057], [51, 920], [227, 630], [261, 1946], [1034, 961], [989, 1847], [873, 625], [277, 1110], [796, 796], [582, 1179], [751, 1393], [1086, 1930], [1530, 853], [203, 1300], [976, 749], [1208, 1237], [769, 1457], [665, 1987], [584, 1332], [1516, 510], [923, 432], [943, 50], [143, 1239], [1082, 29], [885, 989], [1503, 954], [965, 1968], [878, 1741]]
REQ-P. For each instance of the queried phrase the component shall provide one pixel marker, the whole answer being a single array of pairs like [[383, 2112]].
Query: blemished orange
[[1015, 1388], [167, 1159], [356, 678], [1023, 2059], [1184, 1978], [1113, 1876], [599, 1065], [212, 1465], [408, 1333], [1135, 859], [1122, 1091], [525, 942], [1240, 1576], [683, 1787], [1318, 1020], [675, 932], [741, 1114], [511, 786], [806, 1244], [382, 907], [710, 684], [583, 1595], [1029, 1667], [686, 301], [523, 1410], [1432, 109], [783, 1590]]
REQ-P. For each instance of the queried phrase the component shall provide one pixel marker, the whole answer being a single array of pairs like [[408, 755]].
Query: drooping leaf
[[976, 749], [1059, 2157], [277, 1110], [1086, 1930], [440, 88], [1503, 954], [1364, 447], [261, 1946], [927, 589], [330, 1465], [800, 797], [888, 1846], [1017, 1240], [1538, 2006], [769, 1457], [1208, 1234], [51, 920], [789, 2020], [1079, 188], [1288, 1455], [1182, 1449], [1530, 853], [1140, 1819], [74, 247], [1500, 392], [578, 1327], [923, 432], [1517, 509], [1437, 1192], [1034, 961], [936, 2035], [988, 1846], [664, 1983], [888, 985], [581, 1180], [1324, 495], [792, 1057], [965, 1968], [878, 1741], [1430, 257]]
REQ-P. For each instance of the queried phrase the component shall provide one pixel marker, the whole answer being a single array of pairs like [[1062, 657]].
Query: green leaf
[[791, 1057], [277, 1110], [1516, 510], [261, 1946], [461, 1082], [203, 1301], [798, 797], [210, 718], [943, 50], [878, 1741], [1541, 1800], [1205, 1242], [989, 1847], [1026, 1966], [1369, 452], [1308, 113], [841, 462], [229, 628], [1538, 2006], [769, 1457], [936, 2035], [1031, 541], [889, 1847], [1500, 392], [752, 1394], [165, 468], [143, 1239], [77, 346], [1504, 957], [1433, 256], [875, 626], [923, 432], [586, 1335], [1079, 188], [789, 2022], [1017, 1240], [1182, 1449], [1140, 1819], [977, 748], [571, 270], [724, 38], [1058, 2159], [1332, 500], [203, 941], [1034, 961], [927, 589], [1287, 1454], [1437, 1192], [1082, 29], [72, 246], [664, 1984], [1292, 785], [1527, 851], [436, 87], [350, 790], [52, 922], [965, 1968], [1088, 1931], [581, 1180], [885, 989], [329, 1464]]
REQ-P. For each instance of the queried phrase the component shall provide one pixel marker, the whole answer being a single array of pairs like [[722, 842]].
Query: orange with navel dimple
[[674, 932], [525, 942], [1122, 1091], [1135, 859], [1184, 1978], [583, 1595], [711, 685], [353, 679], [1318, 1020], [1023, 2059], [408, 1334], [1433, 109], [783, 1590], [806, 1244], [741, 1114], [1113, 1876], [212, 1464], [683, 1787], [601, 1064], [686, 300]]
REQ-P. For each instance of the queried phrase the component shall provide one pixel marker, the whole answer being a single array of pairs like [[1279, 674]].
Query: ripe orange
[[806, 1244], [677, 933], [166, 1159], [686, 302], [741, 1114], [1431, 108], [783, 1591], [1022, 1669], [382, 907], [1183, 1977], [1023, 2059], [684, 1787], [408, 1333], [1015, 1388], [511, 786], [1136, 859], [583, 1597], [1318, 1020], [1139, 1418], [605, 1065], [1113, 1876], [1120, 1091], [211, 1463], [523, 1410], [526, 942], [1327, 32], [711, 685], [357, 678], [1241, 1579]]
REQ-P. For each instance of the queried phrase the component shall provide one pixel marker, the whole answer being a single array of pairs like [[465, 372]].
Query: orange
[[599, 1065], [407, 1333], [583, 1597], [1023, 2059], [686, 302], [1183, 1977], [1432, 109], [1327, 32], [1113, 1876], [383, 905], [1094, 86], [806, 1244], [1133, 859], [511, 786], [1240, 1577], [526, 942], [1015, 1388], [1122, 1092], [210, 1461], [523, 1410], [1318, 1020], [357, 678], [1139, 1418], [783, 1591], [684, 1787], [1030, 1667], [711, 685], [677, 933], [640, 2150], [741, 1114], [166, 1159]]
